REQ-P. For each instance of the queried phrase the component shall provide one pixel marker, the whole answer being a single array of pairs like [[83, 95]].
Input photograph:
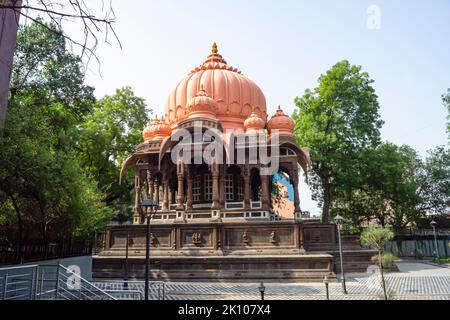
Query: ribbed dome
[[254, 123], [202, 106], [280, 121], [158, 129], [148, 133], [236, 95]]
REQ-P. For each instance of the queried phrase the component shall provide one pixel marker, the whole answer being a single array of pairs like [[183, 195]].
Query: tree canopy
[[61, 147], [337, 120]]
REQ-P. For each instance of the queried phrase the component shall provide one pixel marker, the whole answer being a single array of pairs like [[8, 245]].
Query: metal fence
[[11, 254], [420, 244], [48, 282]]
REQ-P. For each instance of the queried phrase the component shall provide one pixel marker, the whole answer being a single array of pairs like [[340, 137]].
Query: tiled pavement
[[414, 282]]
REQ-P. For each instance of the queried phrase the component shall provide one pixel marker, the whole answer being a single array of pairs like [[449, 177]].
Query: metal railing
[[18, 283], [47, 282]]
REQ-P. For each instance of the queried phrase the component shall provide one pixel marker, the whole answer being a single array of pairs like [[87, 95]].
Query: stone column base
[[180, 216], [215, 216]]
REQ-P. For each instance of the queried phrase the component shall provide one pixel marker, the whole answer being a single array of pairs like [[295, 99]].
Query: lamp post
[[125, 278], [338, 219], [326, 281], [149, 207], [262, 288], [433, 224]]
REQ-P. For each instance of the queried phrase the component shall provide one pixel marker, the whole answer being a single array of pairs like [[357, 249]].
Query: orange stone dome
[[282, 122], [148, 133], [254, 123], [236, 96], [157, 130], [202, 106]]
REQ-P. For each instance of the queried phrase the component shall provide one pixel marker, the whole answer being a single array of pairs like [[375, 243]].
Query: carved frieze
[[273, 237], [245, 238], [196, 238]]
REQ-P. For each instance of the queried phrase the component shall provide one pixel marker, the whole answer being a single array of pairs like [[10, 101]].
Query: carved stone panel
[[197, 238], [317, 235], [159, 238], [260, 237]]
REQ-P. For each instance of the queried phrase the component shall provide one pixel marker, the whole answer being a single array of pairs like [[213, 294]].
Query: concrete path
[[416, 280]]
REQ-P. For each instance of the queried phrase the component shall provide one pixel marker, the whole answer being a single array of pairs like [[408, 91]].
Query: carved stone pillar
[[189, 191], [165, 205], [150, 185], [247, 196], [137, 199], [215, 191], [156, 186], [222, 171], [265, 196], [180, 175]]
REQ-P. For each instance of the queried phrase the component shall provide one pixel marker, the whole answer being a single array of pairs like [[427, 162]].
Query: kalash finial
[[214, 48]]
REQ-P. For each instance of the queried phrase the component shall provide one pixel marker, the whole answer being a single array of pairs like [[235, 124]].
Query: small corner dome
[[157, 130], [254, 123], [281, 122], [202, 105]]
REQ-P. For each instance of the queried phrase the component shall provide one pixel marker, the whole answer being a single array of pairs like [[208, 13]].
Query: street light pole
[[436, 249], [125, 278], [262, 288], [147, 255], [326, 281], [148, 207], [338, 220]]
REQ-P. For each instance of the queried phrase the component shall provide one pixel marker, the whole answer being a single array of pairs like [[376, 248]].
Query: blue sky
[[284, 46]]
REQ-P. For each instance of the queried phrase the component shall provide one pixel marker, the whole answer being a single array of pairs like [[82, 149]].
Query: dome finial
[[214, 48]]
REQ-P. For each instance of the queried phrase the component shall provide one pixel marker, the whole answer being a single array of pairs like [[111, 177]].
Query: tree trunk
[[20, 227], [326, 202], [382, 221], [383, 282], [43, 226]]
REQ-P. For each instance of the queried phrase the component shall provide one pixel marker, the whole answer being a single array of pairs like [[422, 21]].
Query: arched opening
[[234, 184], [202, 184], [255, 185], [283, 195]]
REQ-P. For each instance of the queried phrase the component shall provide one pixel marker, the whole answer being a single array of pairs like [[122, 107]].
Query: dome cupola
[[281, 122], [157, 130], [202, 106], [236, 96], [148, 133], [254, 123], [161, 129]]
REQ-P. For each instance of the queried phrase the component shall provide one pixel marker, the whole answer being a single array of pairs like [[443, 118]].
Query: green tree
[[337, 120], [435, 182], [46, 193], [44, 67], [378, 238], [446, 100], [107, 137], [385, 187]]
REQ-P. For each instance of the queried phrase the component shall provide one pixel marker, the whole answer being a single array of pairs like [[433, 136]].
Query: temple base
[[235, 268], [239, 250]]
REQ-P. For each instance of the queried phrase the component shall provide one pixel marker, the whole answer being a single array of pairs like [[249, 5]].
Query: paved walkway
[[415, 281]]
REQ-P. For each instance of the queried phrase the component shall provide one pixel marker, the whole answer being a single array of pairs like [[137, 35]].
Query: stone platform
[[232, 251]]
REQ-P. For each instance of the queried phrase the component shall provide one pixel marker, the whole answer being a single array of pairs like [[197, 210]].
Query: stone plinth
[[233, 250]]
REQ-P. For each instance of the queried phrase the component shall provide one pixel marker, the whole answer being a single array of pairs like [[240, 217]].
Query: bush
[[442, 260], [388, 260]]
